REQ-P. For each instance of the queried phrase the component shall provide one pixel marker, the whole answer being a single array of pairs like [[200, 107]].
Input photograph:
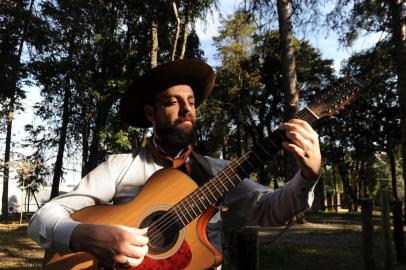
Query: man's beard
[[171, 135]]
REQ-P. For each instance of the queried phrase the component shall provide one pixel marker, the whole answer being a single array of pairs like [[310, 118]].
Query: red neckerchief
[[180, 161]]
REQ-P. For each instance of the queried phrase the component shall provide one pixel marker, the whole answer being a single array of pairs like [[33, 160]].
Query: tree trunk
[[9, 120], [85, 140], [399, 39], [62, 141], [102, 109], [348, 191], [238, 137], [289, 79], [154, 43], [392, 162], [6, 169], [153, 63], [185, 30], [175, 41]]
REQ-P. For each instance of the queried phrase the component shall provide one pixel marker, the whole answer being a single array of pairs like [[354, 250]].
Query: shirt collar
[[158, 147]]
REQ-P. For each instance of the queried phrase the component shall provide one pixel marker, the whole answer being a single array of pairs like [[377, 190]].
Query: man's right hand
[[111, 244]]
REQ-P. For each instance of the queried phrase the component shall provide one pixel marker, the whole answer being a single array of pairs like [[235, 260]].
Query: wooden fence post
[[388, 260], [367, 234], [248, 246], [398, 234]]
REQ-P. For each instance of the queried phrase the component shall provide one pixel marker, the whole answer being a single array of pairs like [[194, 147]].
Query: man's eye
[[170, 102]]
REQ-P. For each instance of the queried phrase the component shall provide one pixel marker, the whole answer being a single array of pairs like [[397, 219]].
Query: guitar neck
[[208, 194]]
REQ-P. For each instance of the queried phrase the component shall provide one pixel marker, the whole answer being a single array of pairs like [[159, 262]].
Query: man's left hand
[[305, 146]]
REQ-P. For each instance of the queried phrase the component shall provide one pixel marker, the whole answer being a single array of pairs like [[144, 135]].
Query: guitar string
[[166, 222]]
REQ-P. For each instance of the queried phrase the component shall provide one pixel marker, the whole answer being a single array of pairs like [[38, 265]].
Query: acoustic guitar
[[177, 211]]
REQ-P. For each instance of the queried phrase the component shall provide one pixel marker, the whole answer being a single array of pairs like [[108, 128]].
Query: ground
[[325, 241]]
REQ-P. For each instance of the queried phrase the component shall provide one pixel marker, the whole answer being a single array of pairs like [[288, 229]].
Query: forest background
[[82, 55]]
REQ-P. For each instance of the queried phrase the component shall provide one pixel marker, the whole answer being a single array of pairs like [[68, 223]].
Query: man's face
[[174, 115]]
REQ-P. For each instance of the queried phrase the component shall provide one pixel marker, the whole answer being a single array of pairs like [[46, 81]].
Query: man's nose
[[185, 108]]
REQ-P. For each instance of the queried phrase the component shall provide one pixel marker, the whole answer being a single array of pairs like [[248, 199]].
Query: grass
[[17, 251], [325, 241]]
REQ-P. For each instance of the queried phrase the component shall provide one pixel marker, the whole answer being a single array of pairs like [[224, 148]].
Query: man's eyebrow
[[177, 96]]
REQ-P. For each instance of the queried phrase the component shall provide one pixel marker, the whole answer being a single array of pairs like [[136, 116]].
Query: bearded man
[[166, 98]]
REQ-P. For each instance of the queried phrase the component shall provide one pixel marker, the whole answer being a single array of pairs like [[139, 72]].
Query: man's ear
[[149, 113]]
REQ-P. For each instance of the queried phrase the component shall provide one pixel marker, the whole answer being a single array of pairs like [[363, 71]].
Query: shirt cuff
[[299, 183], [62, 234]]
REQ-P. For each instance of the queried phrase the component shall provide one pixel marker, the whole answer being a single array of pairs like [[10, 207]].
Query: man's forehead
[[177, 90]]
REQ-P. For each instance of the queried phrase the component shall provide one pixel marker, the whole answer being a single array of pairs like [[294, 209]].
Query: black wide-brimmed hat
[[195, 73]]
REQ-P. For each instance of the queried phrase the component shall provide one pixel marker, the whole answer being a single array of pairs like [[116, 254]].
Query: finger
[[135, 230], [121, 259], [138, 240], [134, 261], [137, 236], [137, 251], [303, 124], [297, 151], [298, 129], [298, 139]]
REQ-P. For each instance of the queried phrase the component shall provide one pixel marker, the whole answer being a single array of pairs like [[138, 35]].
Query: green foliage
[[353, 18], [247, 102]]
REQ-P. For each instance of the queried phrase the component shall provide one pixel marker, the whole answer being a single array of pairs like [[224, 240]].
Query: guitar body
[[188, 249]]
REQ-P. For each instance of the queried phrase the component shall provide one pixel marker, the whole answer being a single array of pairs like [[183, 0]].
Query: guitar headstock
[[335, 98]]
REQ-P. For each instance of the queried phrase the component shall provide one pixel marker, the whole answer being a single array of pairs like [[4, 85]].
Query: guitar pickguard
[[179, 260]]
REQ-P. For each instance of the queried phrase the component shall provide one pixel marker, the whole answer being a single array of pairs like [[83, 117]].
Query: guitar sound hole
[[162, 235]]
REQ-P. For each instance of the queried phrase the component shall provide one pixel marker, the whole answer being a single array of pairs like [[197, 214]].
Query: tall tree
[[386, 17], [398, 27], [15, 33]]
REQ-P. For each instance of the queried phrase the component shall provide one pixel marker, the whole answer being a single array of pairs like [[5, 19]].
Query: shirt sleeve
[[52, 227], [261, 206]]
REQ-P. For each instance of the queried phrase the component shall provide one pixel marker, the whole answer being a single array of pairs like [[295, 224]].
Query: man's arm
[[259, 205], [51, 226]]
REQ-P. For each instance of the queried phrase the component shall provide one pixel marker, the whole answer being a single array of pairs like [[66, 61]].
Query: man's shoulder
[[120, 157], [216, 164]]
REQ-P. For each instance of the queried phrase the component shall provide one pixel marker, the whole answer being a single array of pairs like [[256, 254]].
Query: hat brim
[[197, 74]]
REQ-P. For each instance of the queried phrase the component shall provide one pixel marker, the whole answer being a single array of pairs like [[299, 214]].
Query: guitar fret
[[196, 203], [221, 182], [263, 149], [235, 175], [279, 134], [198, 197], [183, 224], [212, 195], [187, 211], [270, 140], [257, 157], [242, 168], [178, 206], [215, 186], [230, 180], [192, 207], [207, 198], [249, 163]]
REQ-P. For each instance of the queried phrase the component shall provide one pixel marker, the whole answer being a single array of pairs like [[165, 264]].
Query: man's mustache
[[186, 118]]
